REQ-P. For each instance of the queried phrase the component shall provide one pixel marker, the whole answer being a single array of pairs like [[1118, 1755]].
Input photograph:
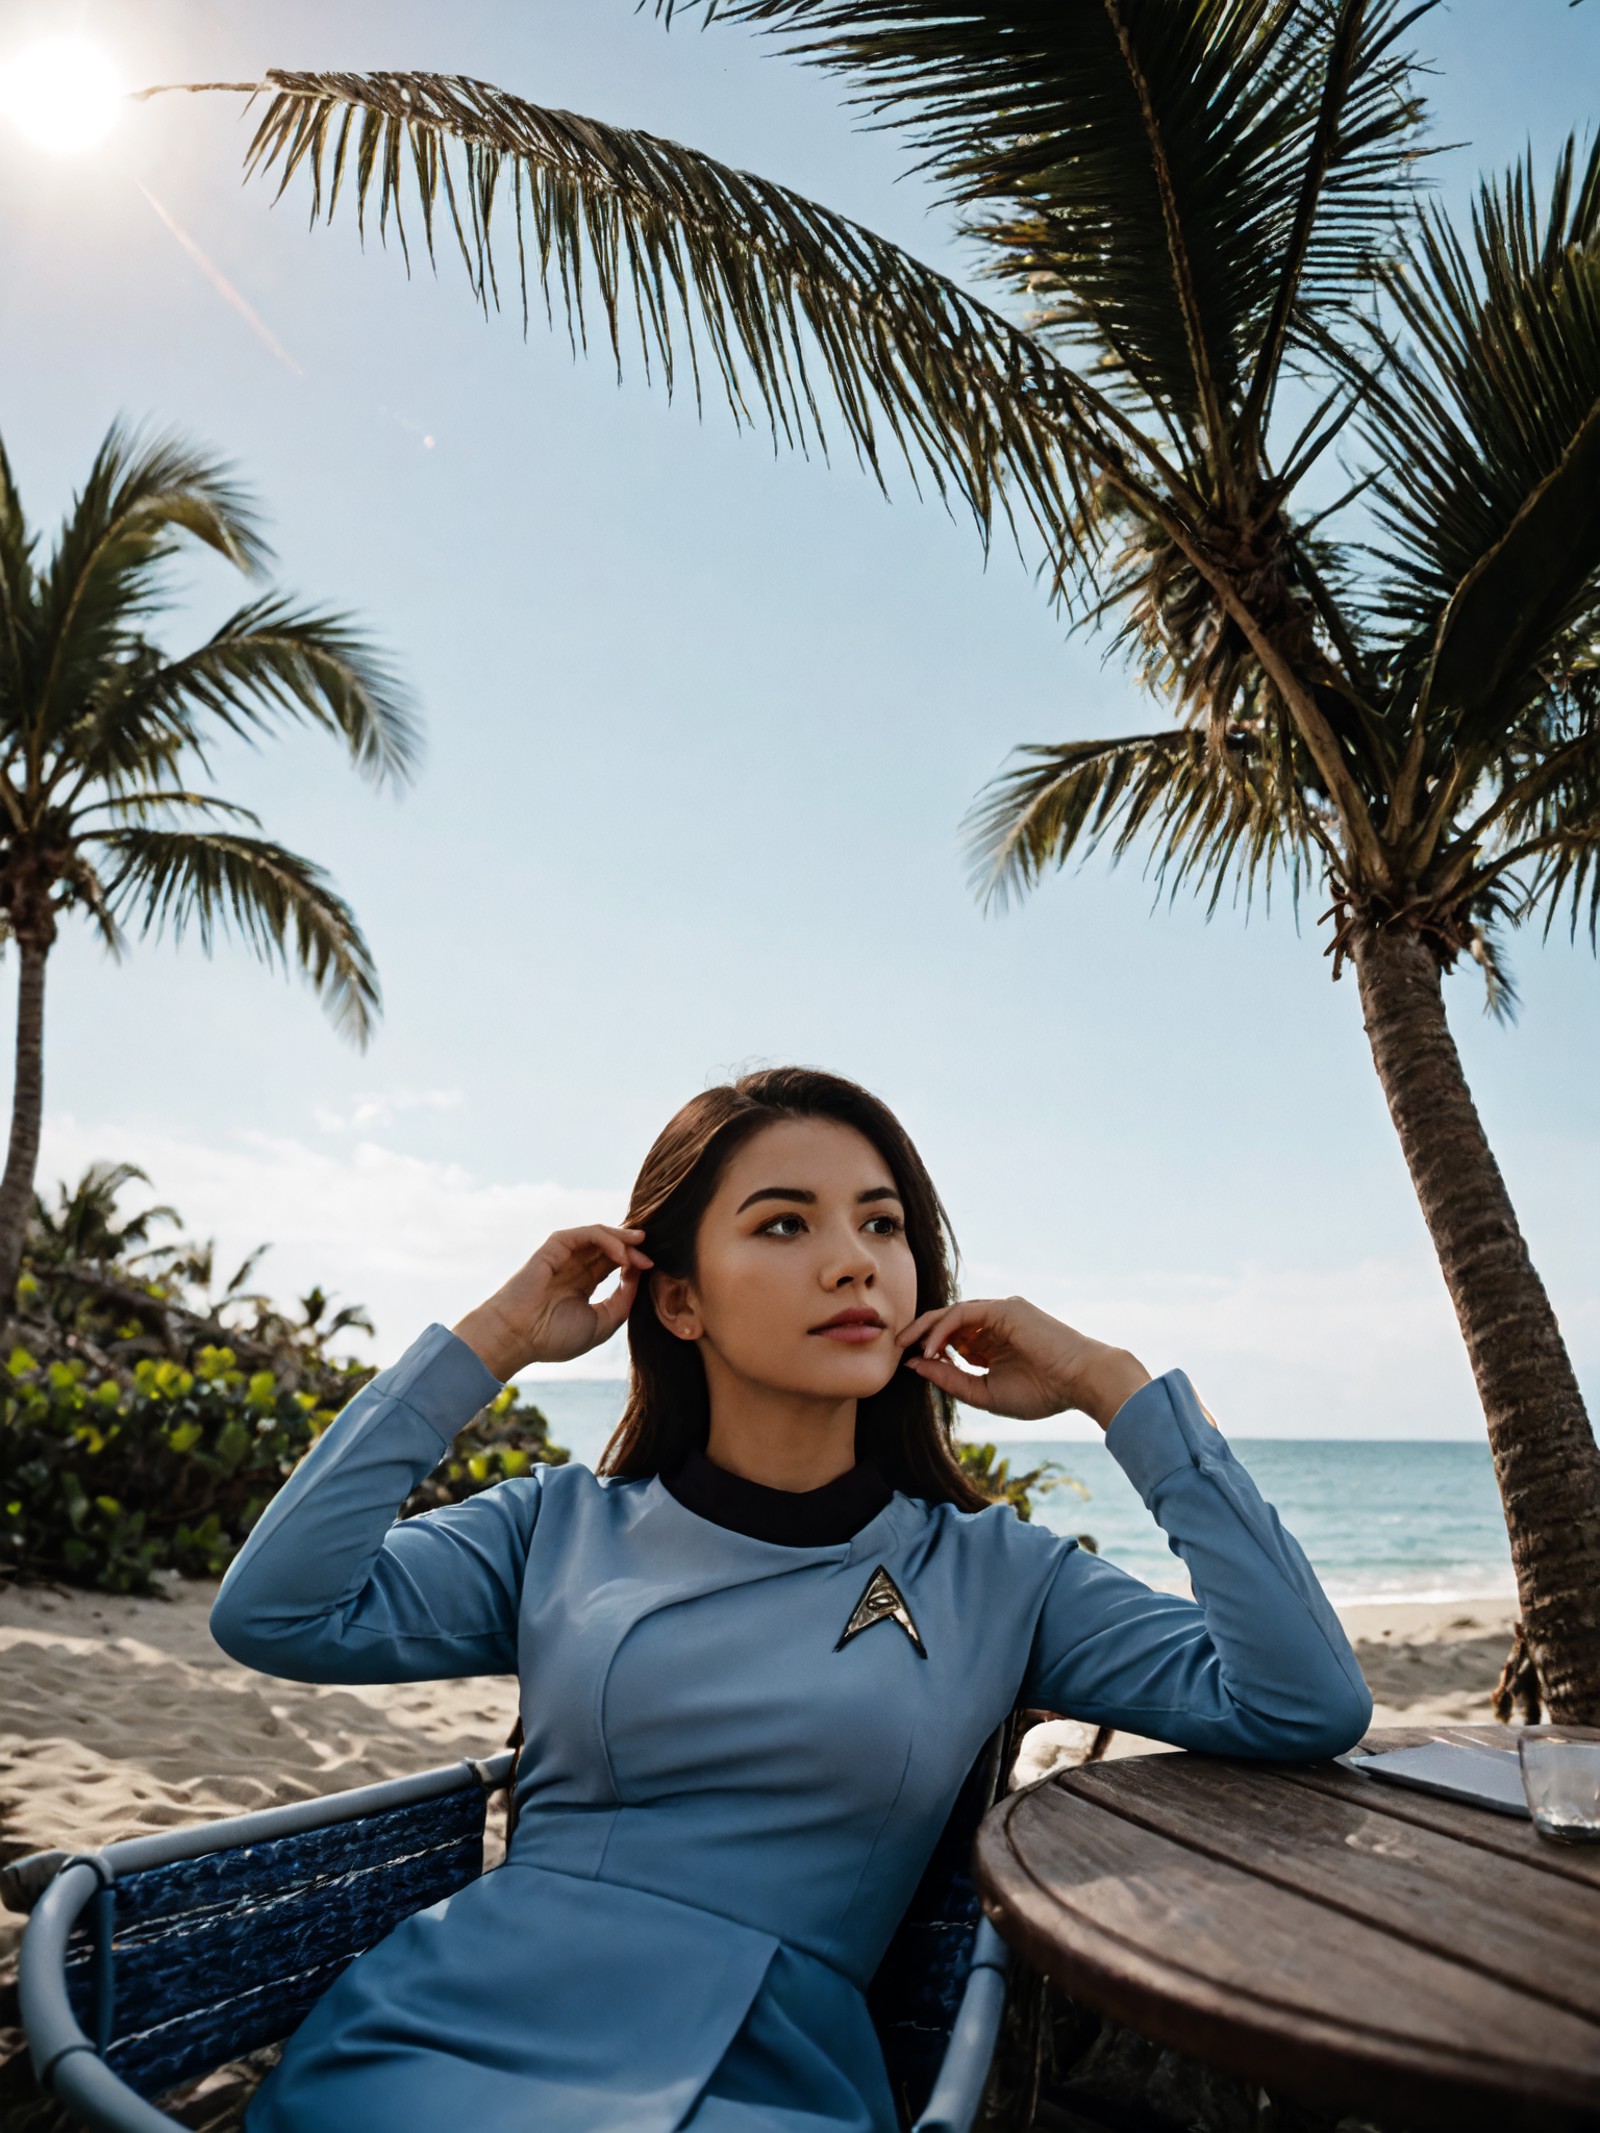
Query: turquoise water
[[1379, 1520]]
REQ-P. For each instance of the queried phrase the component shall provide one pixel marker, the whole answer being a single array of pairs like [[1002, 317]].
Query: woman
[[758, 1658]]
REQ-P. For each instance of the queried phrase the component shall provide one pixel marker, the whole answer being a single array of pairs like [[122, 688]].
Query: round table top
[[1348, 1942]]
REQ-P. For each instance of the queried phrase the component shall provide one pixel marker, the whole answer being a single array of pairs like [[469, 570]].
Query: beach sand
[[121, 1715]]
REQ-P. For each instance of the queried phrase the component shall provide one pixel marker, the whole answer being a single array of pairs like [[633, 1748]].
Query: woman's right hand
[[1023, 1363], [543, 1314]]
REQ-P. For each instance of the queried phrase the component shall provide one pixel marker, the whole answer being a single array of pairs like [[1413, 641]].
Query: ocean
[[1380, 1520]]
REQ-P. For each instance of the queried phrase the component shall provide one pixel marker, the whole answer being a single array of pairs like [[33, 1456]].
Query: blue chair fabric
[[287, 1915]]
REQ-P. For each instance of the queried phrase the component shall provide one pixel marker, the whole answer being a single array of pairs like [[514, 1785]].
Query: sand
[[118, 1716], [1431, 1663]]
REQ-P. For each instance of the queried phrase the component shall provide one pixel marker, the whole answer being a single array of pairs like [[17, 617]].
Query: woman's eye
[[885, 1226], [782, 1226]]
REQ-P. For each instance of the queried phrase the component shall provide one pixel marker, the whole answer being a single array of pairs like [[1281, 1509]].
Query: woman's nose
[[851, 1263]]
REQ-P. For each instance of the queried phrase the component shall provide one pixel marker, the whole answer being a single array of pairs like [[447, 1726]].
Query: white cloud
[[384, 1109], [1366, 1350], [412, 1239]]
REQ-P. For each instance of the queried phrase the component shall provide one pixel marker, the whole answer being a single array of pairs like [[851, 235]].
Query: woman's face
[[803, 1274]]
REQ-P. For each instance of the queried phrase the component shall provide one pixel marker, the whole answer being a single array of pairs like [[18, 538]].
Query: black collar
[[813, 1518]]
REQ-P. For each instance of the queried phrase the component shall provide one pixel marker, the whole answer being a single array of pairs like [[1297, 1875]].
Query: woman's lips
[[855, 1328]]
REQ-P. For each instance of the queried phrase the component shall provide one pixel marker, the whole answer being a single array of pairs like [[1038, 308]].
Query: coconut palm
[[1208, 209], [101, 729], [87, 1226]]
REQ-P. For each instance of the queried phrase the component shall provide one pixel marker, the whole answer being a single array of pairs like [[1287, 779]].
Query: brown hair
[[904, 1429]]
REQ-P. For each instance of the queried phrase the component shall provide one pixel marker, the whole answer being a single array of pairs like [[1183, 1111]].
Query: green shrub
[[147, 1421], [103, 1484]]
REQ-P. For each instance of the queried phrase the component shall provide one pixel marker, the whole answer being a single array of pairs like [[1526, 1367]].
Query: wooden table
[[1346, 1942]]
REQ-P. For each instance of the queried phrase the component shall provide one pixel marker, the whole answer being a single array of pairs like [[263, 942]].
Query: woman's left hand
[[546, 1312], [1032, 1365]]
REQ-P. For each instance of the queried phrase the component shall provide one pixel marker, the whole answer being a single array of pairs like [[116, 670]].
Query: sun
[[63, 93]]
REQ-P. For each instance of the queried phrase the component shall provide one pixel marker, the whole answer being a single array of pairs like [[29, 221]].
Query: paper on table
[[1482, 1777]]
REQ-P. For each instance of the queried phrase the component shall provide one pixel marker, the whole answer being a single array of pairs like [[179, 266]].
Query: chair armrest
[[63, 2057], [964, 2075], [24, 1881]]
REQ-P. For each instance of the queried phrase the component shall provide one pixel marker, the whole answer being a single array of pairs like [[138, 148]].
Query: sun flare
[[62, 93]]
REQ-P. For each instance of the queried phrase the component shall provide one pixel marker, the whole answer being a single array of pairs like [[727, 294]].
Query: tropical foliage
[[145, 1423], [1206, 215], [102, 732], [991, 1475]]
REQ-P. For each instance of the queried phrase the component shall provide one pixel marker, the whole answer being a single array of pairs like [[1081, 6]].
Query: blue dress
[[723, 1809]]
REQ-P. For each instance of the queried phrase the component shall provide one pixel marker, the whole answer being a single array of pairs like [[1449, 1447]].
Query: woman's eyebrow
[[809, 1199]]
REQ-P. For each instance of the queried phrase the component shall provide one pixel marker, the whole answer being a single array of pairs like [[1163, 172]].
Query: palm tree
[[99, 728], [86, 1224], [1385, 687]]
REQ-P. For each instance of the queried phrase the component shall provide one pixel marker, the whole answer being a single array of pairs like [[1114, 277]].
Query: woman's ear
[[673, 1298]]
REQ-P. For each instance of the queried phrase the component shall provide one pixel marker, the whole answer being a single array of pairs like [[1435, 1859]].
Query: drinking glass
[[1561, 1779]]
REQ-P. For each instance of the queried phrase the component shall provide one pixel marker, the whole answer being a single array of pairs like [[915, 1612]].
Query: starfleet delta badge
[[881, 1602]]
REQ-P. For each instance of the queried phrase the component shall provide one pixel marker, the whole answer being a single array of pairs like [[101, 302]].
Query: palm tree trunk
[[27, 1110], [1545, 1455]]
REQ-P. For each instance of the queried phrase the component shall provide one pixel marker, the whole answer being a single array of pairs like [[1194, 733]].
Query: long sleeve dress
[[725, 1802]]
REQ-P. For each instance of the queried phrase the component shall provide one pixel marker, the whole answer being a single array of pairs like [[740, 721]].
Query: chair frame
[[68, 2063]]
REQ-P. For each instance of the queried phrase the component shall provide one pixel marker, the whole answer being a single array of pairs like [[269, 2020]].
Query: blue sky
[[702, 725]]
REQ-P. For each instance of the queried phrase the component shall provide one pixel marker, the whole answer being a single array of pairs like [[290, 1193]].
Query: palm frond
[[143, 497], [157, 800], [1365, 111], [246, 1268], [1547, 765], [1488, 427], [270, 660], [16, 596], [786, 304], [1185, 644], [1487, 948], [1211, 808], [1545, 823], [279, 904], [1570, 876], [81, 885], [1178, 181], [122, 736]]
